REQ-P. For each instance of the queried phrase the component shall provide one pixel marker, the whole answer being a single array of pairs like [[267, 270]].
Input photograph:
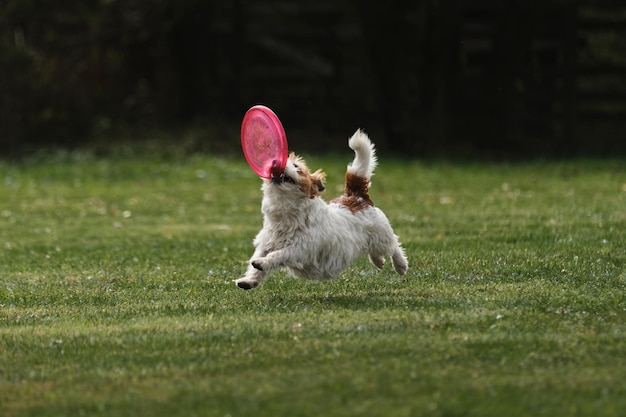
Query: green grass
[[116, 293]]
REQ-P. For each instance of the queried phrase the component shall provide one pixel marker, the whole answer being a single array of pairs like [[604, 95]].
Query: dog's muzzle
[[282, 178]]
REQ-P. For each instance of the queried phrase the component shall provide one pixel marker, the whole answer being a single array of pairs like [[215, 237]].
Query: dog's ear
[[318, 177]]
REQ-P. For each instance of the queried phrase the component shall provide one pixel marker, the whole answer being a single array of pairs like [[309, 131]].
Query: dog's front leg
[[252, 279], [271, 261], [262, 264]]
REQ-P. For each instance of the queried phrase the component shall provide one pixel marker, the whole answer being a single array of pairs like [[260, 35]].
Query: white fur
[[316, 240], [365, 160]]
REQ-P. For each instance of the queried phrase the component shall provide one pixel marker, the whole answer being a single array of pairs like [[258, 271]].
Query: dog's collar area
[[282, 178]]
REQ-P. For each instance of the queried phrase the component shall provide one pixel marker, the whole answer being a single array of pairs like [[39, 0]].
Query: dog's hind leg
[[377, 260], [399, 261]]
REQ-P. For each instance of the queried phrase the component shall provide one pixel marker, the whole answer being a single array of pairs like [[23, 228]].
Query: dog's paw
[[257, 264], [400, 265], [399, 261], [246, 285], [378, 261], [401, 269]]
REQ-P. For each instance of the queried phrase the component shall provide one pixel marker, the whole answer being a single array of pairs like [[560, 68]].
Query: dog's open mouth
[[282, 178]]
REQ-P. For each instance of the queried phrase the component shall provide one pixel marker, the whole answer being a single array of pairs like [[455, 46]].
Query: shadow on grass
[[401, 298]]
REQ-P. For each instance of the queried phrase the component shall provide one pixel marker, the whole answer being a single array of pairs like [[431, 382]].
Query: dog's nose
[[275, 170]]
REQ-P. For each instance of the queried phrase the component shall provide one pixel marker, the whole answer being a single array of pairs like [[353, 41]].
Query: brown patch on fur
[[310, 184], [356, 196], [313, 184]]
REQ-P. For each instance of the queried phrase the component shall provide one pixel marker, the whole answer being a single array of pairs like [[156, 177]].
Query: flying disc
[[264, 141]]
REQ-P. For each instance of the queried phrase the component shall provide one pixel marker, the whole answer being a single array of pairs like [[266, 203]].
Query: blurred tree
[[482, 77]]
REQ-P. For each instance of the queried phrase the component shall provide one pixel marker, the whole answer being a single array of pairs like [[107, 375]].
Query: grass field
[[116, 293]]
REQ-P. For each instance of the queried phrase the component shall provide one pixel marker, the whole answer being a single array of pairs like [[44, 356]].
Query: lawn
[[116, 293]]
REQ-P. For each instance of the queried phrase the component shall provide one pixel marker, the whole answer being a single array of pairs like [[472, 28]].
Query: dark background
[[469, 78]]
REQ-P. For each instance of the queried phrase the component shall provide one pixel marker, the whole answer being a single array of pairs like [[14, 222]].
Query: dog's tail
[[365, 160], [359, 172]]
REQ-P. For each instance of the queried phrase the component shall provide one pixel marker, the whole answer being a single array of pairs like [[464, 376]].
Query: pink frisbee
[[264, 141]]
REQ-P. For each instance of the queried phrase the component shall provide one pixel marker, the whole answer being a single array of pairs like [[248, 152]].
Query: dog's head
[[297, 177]]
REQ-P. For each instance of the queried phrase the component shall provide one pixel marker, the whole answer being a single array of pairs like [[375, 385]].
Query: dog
[[316, 240]]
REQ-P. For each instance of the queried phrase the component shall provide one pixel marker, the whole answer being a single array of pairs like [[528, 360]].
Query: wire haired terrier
[[316, 240]]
